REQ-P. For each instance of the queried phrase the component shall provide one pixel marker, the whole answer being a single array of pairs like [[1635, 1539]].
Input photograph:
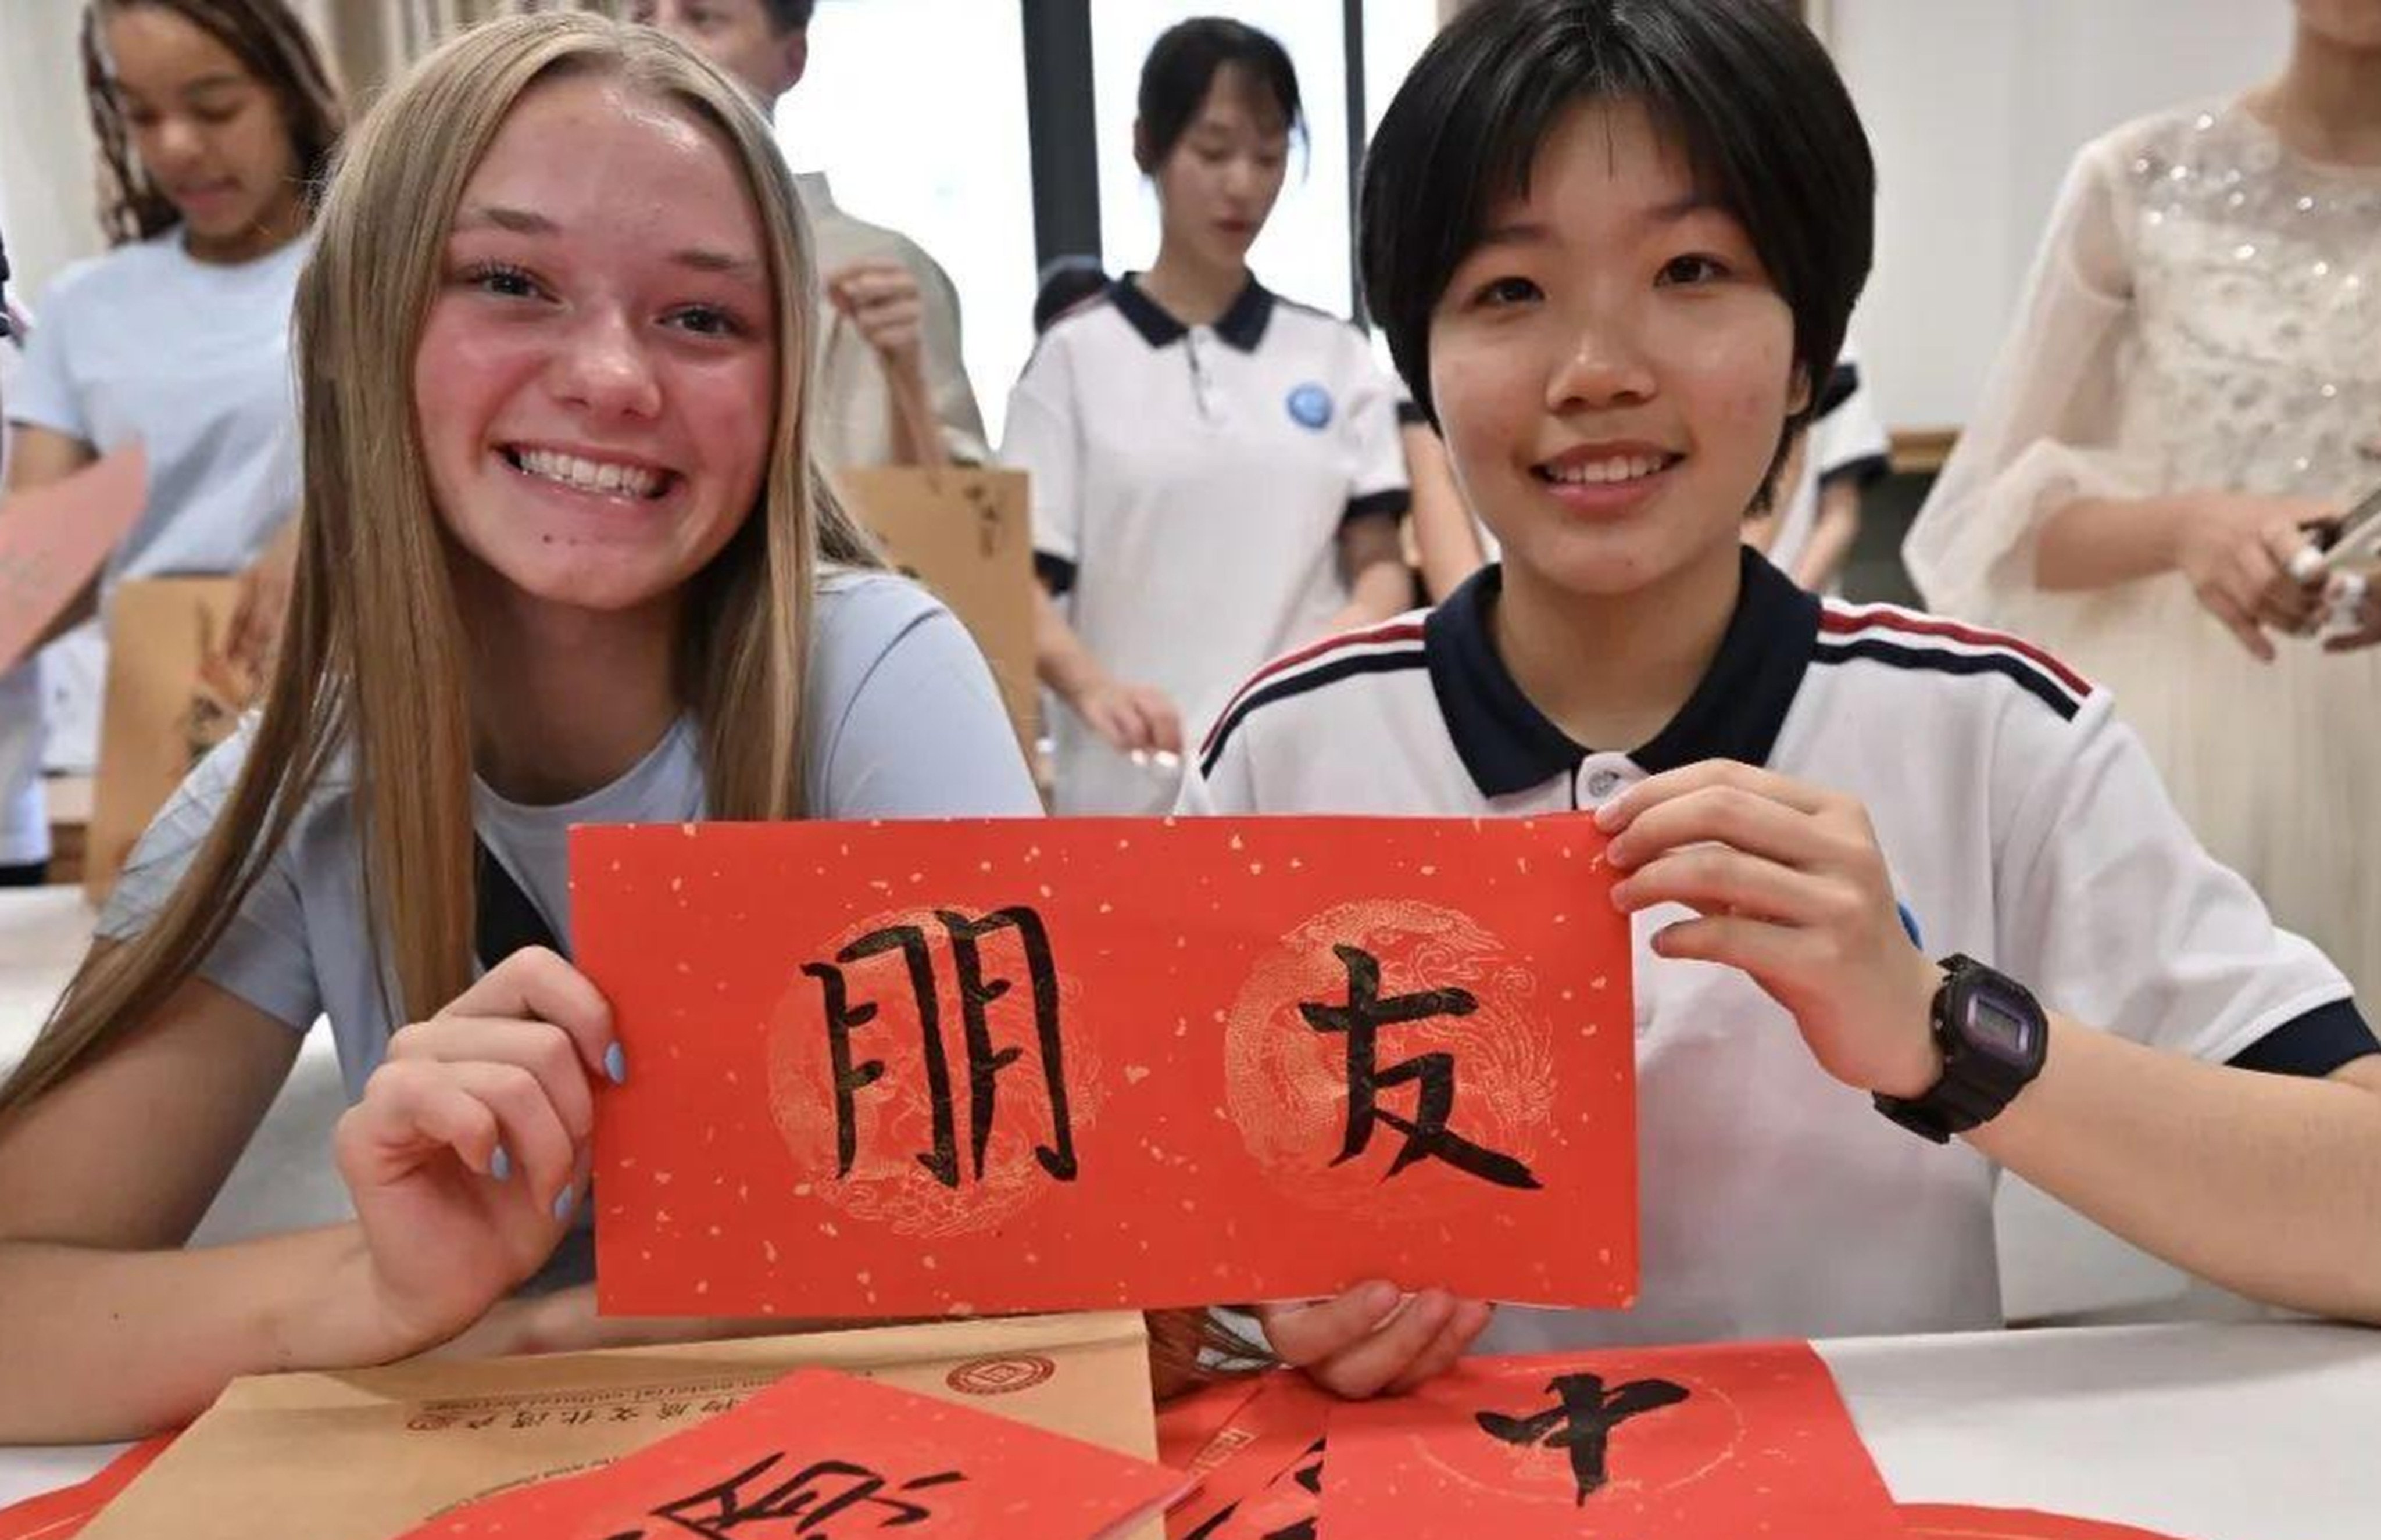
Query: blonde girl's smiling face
[[595, 385], [1611, 364]]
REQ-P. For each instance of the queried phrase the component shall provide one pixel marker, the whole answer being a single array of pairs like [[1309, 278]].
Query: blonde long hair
[[373, 658]]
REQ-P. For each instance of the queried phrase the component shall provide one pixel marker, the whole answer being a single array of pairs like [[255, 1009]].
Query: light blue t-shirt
[[904, 722], [192, 359]]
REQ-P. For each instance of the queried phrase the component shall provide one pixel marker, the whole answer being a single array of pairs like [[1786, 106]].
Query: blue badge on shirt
[[1310, 407]]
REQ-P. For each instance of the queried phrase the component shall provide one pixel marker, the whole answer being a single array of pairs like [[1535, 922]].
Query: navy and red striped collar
[[1903, 638], [1735, 712]]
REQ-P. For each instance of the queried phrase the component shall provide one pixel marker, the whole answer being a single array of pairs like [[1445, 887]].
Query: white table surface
[[2197, 1430], [285, 1179]]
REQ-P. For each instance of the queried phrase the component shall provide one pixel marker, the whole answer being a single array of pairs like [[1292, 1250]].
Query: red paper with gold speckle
[[1195, 995], [1731, 1439], [830, 1454], [1962, 1521]]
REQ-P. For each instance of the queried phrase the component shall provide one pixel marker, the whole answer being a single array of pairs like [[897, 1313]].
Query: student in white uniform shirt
[[1612, 273], [890, 387], [213, 121], [1216, 474], [1808, 531], [560, 563]]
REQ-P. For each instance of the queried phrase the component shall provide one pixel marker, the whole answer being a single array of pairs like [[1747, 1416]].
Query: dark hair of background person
[[265, 35], [1181, 68], [1067, 282]]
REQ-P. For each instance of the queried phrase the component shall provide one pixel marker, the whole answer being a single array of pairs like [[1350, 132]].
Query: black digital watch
[[1994, 1037]]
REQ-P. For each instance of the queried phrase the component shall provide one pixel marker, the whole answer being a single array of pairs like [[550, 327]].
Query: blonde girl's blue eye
[[501, 279], [708, 321]]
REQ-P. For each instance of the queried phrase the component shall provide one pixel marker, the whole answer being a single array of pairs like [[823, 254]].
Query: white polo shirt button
[[1603, 777]]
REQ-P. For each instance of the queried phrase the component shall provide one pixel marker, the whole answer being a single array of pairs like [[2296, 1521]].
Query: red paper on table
[[1961, 1521], [55, 538], [1189, 1423], [1158, 1062], [818, 1444], [55, 1515], [1258, 1453], [1719, 1441]]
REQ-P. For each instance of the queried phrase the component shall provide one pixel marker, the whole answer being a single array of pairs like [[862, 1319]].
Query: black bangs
[[1182, 67]]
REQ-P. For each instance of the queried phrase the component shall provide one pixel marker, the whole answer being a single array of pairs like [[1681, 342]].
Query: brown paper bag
[[370, 1454], [164, 707], [968, 535]]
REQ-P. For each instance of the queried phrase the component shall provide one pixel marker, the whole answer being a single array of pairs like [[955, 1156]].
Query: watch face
[[1999, 1030]]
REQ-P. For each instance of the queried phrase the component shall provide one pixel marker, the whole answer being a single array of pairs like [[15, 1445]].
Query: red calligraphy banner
[[825, 1453], [1260, 1471], [1718, 1441], [1188, 1423], [58, 1515], [1003, 1065], [1961, 1521]]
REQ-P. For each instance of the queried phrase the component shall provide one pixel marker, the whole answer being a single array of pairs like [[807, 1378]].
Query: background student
[[1216, 473]]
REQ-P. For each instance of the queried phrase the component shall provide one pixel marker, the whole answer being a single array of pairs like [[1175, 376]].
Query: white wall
[[1976, 107], [45, 147]]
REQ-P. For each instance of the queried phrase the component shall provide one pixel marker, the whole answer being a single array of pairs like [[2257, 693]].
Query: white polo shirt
[[2022, 824], [1189, 485]]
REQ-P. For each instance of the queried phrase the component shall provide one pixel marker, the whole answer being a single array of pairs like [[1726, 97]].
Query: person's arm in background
[[1379, 582], [881, 300], [2235, 548], [262, 608], [1447, 543], [905, 307], [1761, 527], [1380, 494], [1851, 452], [1832, 536], [1044, 440], [48, 438], [1128, 715]]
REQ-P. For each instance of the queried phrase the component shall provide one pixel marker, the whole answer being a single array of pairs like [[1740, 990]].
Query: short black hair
[[786, 16], [1741, 85], [1065, 283], [1181, 69]]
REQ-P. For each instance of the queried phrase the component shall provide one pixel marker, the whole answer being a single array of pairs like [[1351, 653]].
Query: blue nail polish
[[615, 1064], [564, 1202], [500, 1166]]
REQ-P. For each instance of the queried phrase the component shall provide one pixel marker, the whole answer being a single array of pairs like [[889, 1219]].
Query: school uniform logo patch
[[1310, 407]]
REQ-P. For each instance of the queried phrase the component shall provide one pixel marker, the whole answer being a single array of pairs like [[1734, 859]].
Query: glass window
[[1303, 253], [916, 109]]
